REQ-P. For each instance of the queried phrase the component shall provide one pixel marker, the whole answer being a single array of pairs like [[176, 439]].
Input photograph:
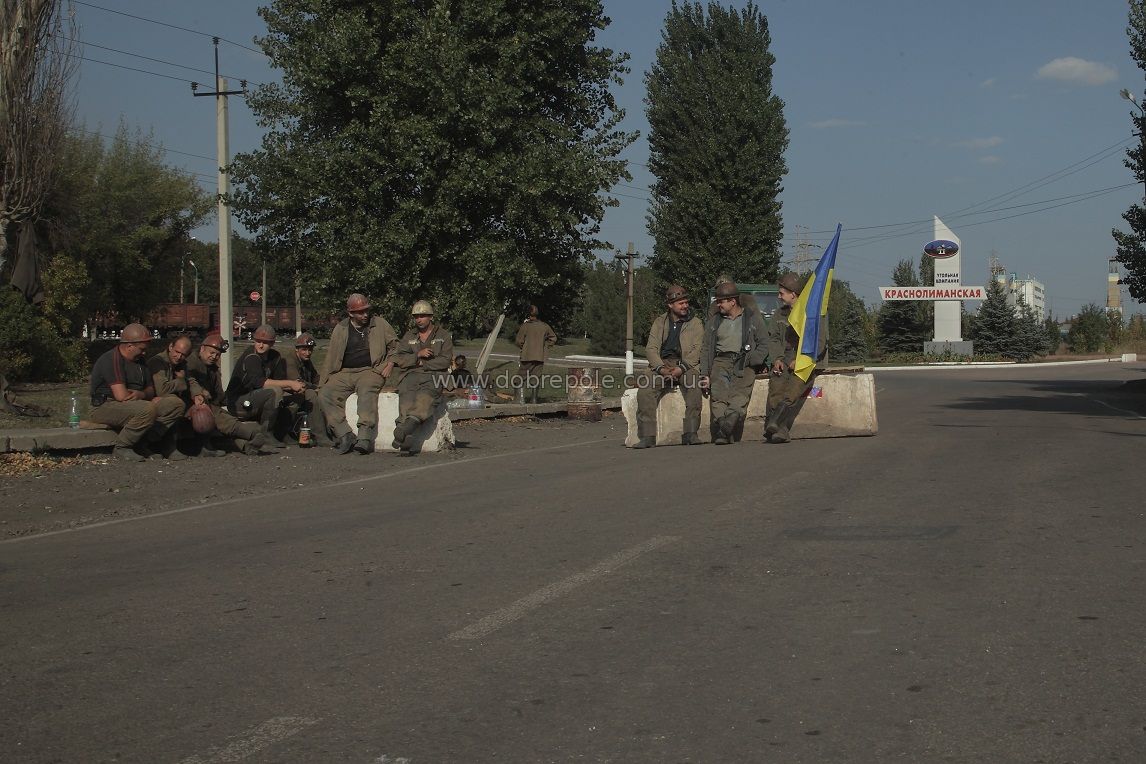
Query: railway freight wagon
[[195, 319]]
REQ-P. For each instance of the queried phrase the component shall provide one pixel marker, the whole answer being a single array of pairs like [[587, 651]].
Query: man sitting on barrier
[[422, 357], [258, 384], [123, 397], [673, 352]]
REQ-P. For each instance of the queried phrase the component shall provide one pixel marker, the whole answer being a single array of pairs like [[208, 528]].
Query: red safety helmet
[[265, 333]]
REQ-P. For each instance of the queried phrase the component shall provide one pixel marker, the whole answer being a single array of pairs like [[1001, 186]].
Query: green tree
[[1114, 331], [901, 325], [604, 309], [1052, 334], [1088, 331], [1030, 335], [1131, 247], [717, 137], [120, 223], [847, 341], [995, 326], [453, 150]]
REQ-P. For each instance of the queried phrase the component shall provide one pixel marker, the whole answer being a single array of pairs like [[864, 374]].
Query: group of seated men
[[269, 395]]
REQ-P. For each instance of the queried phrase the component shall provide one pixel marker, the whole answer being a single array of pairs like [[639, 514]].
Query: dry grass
[[20, 464]]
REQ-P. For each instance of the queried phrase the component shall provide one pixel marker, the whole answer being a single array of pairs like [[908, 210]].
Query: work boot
[[646, 442], [344, 444], [404, 433], [127, 454], [780, 436], [255, 445], [365, 443], [690, 439], [775, 419], [168, 448]]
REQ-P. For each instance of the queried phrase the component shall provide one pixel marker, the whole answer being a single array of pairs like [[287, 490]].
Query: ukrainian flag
[[809, 316]]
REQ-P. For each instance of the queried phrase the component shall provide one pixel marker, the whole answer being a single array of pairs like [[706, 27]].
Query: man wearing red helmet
[[357, 361], [205, 384], [123, 397]]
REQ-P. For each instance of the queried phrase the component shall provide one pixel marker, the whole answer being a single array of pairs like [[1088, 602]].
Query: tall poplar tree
[[456, 150], [1131, 247], [717, 137]]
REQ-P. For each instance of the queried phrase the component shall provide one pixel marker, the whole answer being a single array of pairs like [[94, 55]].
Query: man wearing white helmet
[[360, 346], [422, 358]]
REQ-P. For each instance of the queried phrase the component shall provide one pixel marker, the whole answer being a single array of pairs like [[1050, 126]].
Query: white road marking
[[546, 594], [1133, 414], [254, 498], [254, 740]]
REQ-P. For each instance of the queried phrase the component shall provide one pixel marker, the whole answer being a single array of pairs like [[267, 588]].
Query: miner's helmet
[[304, 340], [357, 302], [217, 342], [422, 308], [674, 293], [727, 289], [265, 333], [790, 281], [134, 333]]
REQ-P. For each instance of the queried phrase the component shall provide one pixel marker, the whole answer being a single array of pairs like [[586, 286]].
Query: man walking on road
[[673, 352], [534, 337]]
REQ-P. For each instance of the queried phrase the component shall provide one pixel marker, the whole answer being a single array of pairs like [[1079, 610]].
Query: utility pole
[[226, 302], [297, 307], [628, 257], [263, 294], [803, 258]]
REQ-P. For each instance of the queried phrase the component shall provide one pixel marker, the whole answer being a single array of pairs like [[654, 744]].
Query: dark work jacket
[[753, 340], [783, 342], [251, 371]]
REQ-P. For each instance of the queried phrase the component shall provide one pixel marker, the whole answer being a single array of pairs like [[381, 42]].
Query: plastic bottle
[[304, 433], [74, 414], [476, 397]]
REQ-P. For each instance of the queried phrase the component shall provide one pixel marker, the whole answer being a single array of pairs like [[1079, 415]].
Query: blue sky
[[987, 114]]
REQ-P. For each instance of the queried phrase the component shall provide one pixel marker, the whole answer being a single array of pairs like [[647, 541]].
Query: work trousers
[[418, 396], [651, 387], [786, 396], [530, 374], [366, 382], [259, 405], [309, 401], [729, 391], [134, 419]]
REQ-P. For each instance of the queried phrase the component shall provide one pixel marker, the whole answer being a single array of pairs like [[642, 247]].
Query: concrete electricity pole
[[628, 257], [226, 301]]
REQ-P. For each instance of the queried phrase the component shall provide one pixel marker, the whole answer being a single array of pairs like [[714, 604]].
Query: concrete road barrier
[[435, 434], [841, 405]]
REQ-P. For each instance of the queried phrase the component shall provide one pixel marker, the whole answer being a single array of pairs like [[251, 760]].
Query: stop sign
[[255, 296]]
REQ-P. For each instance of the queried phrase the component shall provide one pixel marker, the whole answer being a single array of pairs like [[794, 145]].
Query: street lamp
[[195, 299]]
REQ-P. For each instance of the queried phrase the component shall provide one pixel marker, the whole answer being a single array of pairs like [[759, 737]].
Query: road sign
[[255, 296]]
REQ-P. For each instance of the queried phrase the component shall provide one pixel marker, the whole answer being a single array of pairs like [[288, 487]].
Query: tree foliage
[[847, 320], [1089, 330], [118, 224], [455, 151], [1030, 335], [717, 138], [995, 326], [902, 328], [1131, 247]]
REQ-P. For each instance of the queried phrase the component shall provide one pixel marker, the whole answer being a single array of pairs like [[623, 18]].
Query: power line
[[165, 24], [129, 68], [165, 149], [159, 61]]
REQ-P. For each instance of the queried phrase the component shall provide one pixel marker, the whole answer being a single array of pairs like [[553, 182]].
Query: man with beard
[[673, 352], [123, 397], [422, 357], [360, 346], [258, 384], [205, 385], [734, 347]]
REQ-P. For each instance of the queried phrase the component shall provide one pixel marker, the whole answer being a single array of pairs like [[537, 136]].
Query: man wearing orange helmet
[[301, 368], [258, 384], [422, 357], [123, 397], [357, 361], [205, 384]]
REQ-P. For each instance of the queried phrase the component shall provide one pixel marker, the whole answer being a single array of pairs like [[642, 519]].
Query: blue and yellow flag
[[809, 316]]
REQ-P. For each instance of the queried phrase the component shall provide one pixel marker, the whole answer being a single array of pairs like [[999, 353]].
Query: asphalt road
[[966, 586]]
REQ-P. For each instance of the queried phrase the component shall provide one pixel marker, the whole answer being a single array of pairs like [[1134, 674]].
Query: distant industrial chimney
[[1113, 291]]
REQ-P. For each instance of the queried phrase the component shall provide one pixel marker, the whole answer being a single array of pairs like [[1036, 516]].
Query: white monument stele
[[948, 292]]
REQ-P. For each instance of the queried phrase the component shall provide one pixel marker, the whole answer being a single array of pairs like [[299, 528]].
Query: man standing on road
[[258, 384], [299, 367], [168, 372], [422, 357], [734, 347], [786, 391], [673, 352], [534, 337], [357, 361], [123, 397], [205, 384]]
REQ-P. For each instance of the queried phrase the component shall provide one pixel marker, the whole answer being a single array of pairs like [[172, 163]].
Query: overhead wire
[[166, 63], [170, 26]]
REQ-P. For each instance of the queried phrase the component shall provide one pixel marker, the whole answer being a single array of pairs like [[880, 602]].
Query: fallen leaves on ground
[[20, 464]]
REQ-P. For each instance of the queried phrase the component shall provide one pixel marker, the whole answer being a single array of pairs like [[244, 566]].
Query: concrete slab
[[435, 434], [34, 440], [842, 405]]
